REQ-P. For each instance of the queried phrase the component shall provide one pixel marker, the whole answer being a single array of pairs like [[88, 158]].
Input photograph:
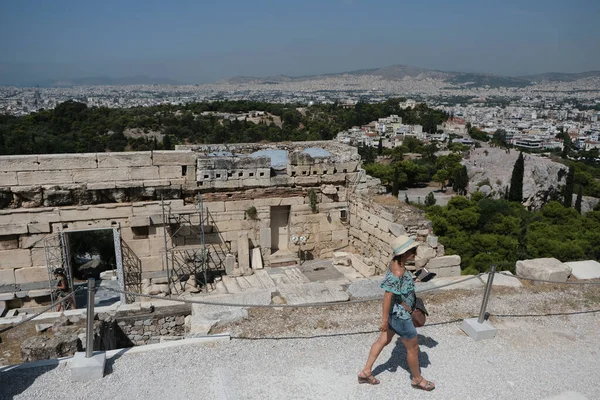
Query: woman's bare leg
[[412, 357], [384, 339]]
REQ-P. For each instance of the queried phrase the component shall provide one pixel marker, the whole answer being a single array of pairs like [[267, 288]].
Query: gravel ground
[[530, 358]]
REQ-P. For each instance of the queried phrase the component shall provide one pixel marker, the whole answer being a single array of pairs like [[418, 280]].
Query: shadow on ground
[[16, 380], [398, 357]]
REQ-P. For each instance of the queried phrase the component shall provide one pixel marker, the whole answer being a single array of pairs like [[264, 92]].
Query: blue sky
[[203, 41]]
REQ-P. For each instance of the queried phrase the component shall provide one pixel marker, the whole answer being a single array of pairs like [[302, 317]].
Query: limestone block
[[292, 201], [38, 256], [324, 237], [446, 272], [265, 237], [44, 177], [7, 277], [17, 258], [8, 243], [228, 184], [432, 241], [241, 205], [215, 206], [143, 173], [252, 182], [8, 178], [29, 241], [67, 161], [129, 184], [281, 180], [125, 159], [442, 262], [100, 185], [589, 269], [333, 178], [13, 229], [42, 227], [549, 269], [139, 221], [243, 251], [100, 175], [256, 258], [153, 263], [424, 254], [31, 274], [19, 163], [440, 250], [174, 157], [341, 234], [312, 180], [141, 247], [361, 266]]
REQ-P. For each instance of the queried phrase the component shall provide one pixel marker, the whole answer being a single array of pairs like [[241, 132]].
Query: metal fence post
[[89, 332], [486, 294]]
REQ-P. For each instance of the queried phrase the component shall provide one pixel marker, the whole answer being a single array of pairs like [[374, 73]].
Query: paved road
[[531, 358]]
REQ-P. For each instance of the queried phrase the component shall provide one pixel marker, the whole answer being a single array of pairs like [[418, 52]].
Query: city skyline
[[201, 43]]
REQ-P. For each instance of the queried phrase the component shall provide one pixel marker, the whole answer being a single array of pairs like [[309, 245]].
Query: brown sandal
[[370, 379], [429, 386]]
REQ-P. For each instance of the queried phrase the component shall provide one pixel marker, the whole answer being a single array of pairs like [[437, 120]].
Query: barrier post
[[479, 328], [89, 365], [89, 331]]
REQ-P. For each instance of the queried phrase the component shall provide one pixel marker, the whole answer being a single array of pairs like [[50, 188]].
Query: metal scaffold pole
[[164, 220], [204, 255]]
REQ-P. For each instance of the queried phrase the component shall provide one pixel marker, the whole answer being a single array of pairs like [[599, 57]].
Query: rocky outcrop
[[490, 170], [44, 348]]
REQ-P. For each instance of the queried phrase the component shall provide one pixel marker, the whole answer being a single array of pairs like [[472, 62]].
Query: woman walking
[[398, 303]]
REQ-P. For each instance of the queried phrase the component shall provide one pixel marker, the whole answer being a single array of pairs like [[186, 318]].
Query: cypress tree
[[569, 186], [461, 181], [380, 147], [396, 182], [516, 181], [579, 199]]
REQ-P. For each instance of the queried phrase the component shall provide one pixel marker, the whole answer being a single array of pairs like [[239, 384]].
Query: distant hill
[[399, 72], [110, 81], [562, 77]]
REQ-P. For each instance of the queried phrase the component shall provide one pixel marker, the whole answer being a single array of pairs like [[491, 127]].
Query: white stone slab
[[256, 258], [569, 395], [501, 279], [549, 269], [313, 292], [589, 269]]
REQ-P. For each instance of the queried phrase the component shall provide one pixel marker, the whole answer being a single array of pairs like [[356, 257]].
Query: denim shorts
[[402, 327]]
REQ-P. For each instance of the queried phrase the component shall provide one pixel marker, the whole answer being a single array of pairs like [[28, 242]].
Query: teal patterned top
[[403, 289]]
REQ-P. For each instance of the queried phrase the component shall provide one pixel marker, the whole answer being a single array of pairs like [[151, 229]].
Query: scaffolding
[[187, 253]]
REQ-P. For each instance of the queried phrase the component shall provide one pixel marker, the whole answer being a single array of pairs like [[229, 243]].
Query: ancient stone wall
[[41, 195], [145, 329], [373, 226]]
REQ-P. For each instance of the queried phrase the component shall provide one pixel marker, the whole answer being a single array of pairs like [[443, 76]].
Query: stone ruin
[[258, 205]]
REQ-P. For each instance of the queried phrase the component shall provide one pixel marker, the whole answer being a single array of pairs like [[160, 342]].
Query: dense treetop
[[72, 127]]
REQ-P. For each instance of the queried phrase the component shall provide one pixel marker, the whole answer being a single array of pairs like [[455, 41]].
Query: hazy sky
[[202, 41]]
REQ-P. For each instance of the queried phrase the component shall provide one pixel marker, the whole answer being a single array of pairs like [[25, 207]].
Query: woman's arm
[[61, 284], [387, 306]]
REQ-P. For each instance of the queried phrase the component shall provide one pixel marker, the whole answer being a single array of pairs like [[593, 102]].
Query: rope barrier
[[43, 311], [548, 281], [215, 303]]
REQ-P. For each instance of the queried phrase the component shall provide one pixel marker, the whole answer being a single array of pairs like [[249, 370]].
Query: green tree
[[569, 186], [380, 147], [461, 181], [440, 176], [579, 199], [430, 199], [516, 181], [396, 182]]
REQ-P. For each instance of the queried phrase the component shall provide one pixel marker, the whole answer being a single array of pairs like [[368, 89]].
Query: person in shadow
[[398, 303]]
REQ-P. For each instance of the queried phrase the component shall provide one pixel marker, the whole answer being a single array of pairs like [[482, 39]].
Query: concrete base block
[[87, 369], [477, 331]]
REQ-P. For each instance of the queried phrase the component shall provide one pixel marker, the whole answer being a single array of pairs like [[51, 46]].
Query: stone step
[[295, 275], [283, 260], [264, 278], [231, 284]]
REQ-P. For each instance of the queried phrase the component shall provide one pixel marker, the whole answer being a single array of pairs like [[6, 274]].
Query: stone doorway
[[280, 218]]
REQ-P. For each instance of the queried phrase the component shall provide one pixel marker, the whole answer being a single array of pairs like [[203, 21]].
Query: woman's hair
[[398, 258]]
